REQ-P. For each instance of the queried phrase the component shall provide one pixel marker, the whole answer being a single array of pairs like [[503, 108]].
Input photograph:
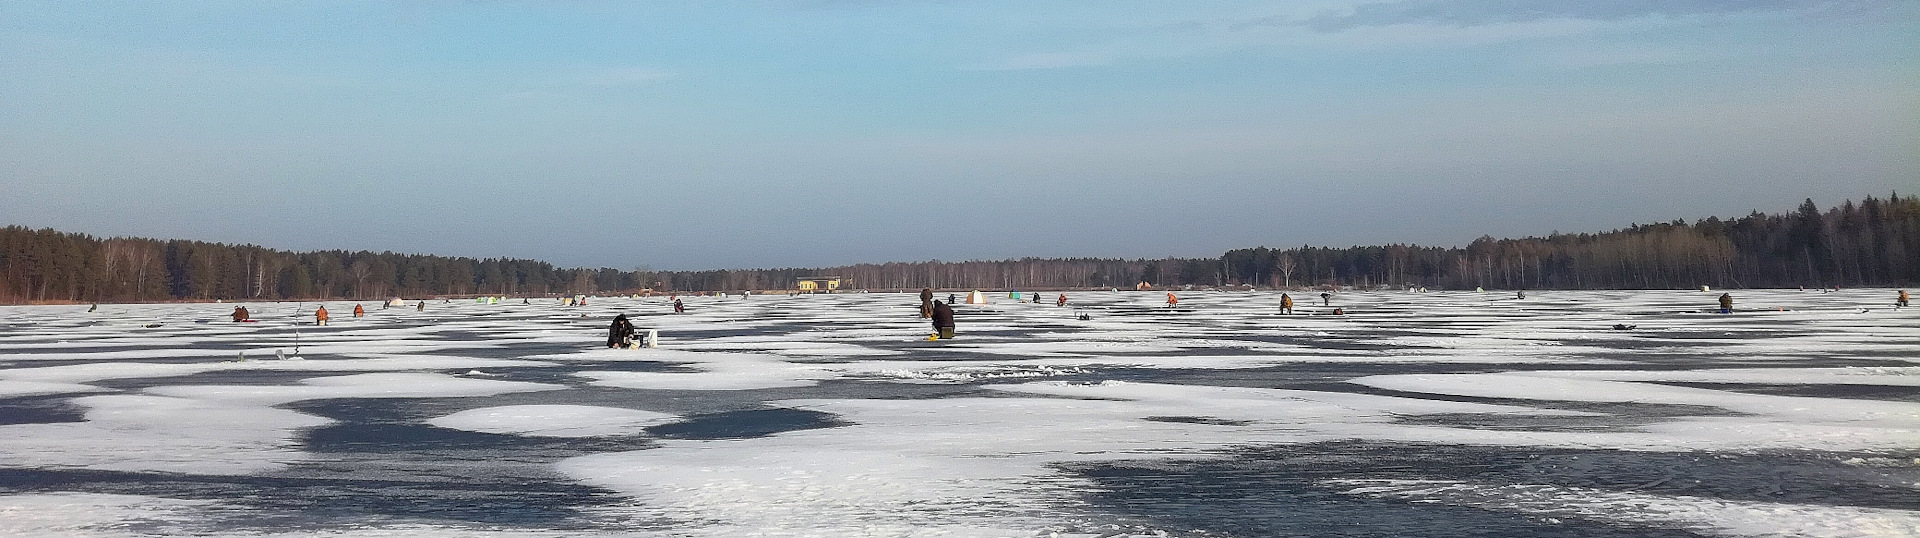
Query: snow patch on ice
[[716, 371], [553, 420]]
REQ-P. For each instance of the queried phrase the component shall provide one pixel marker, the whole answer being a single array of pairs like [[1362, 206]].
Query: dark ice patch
[[746, 424], [1285, 490], [40, 410], [1895, 393], [1200, 420], [238, 377]]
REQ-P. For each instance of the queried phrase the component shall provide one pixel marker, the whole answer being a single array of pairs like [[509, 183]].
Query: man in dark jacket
[[621, 332], [926, 302], [942, 319], [1726, 303]]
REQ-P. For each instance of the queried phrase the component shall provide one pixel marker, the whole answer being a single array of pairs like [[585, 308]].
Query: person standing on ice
[[926, 303], [620, 332], [1902, 301], [942, 320], [1326, 299], [1726, 303], [422, 307], [1286, 304], [320, 316]]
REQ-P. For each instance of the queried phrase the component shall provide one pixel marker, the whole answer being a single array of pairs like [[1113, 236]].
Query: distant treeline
[[1873, 243]]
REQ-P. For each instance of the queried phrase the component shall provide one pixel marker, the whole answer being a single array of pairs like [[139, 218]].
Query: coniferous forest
[[1872, 243]]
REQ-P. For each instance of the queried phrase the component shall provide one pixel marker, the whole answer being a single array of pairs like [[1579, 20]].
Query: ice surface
[[1705, 515], [118, 422], [380, 385], [160, 434], [553, 420]]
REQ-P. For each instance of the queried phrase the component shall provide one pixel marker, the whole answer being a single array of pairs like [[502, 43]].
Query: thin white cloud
[[558, 85], [1466, 13], [1045, 60], [616, 77], [1625, 54]]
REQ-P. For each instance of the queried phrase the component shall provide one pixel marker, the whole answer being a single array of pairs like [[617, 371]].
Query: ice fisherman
[[1062, 301], [422, 307], [1171, 300], [358, 311], [679, 307], [1036, 297], [1520, 294], [240, 314], [926, 303], [621, 332], [1902, 301], [942, 320], [1286, 304], [1726, 303], [320, 316], [1326, 299]]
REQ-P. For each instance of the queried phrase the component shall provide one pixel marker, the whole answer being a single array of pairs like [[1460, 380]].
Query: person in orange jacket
[[358, 311], [1171, 300], [1286, 304], [320, 316]]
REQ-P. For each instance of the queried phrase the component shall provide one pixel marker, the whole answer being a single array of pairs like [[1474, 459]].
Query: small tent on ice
[[975, 297]]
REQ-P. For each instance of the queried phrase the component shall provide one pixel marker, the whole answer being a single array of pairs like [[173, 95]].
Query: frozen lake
[[1417, 414]]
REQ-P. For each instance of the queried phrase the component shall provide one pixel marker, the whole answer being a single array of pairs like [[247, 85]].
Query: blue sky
[[691, 135]]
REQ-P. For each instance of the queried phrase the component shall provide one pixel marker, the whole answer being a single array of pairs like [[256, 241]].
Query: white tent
[[975, 297]]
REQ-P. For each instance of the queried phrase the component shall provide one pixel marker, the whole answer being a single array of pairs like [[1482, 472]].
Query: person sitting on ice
[[1726, 303], [1171, 300], [1902, 301], [358, 311], [621, 332], [942, 320], [1286, 304], [678, 307], [320, 316], [240, 314], [1062, 301]]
